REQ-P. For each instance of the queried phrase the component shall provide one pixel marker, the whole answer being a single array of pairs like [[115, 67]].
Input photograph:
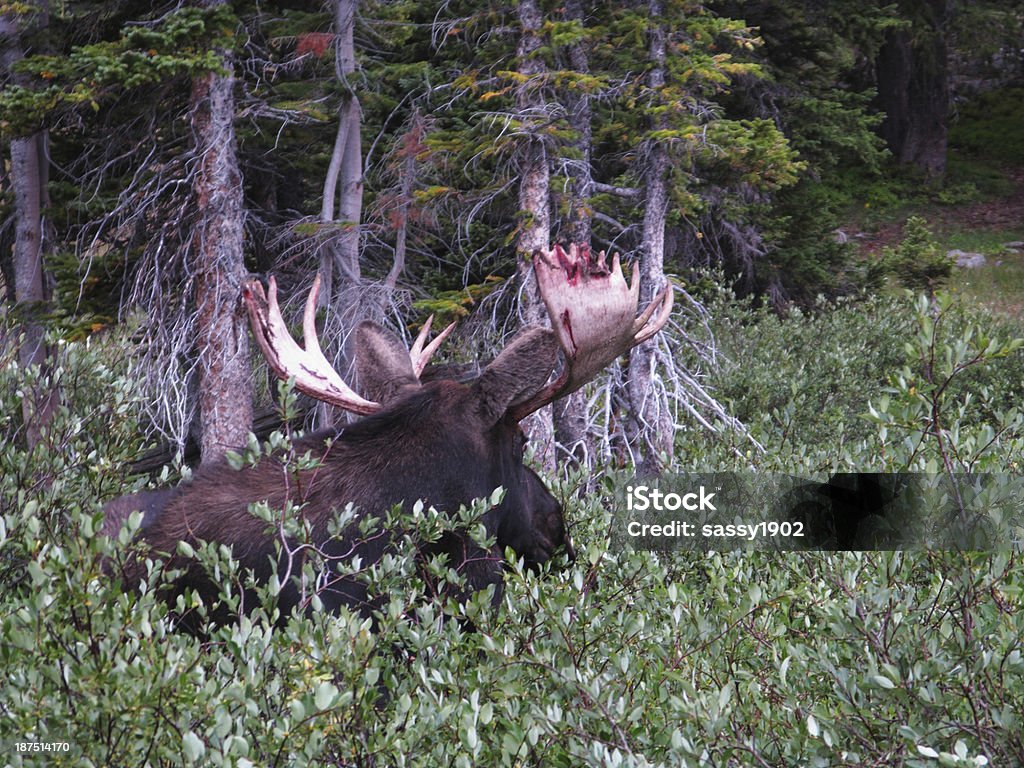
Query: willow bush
[[619, 658]]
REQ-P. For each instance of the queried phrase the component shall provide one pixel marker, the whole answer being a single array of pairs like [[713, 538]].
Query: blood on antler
[[593, 314], [314, 375]]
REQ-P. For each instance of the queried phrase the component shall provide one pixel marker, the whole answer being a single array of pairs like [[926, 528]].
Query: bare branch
[[631, 193]]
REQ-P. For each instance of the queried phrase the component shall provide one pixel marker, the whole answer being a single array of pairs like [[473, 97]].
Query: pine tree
[[225, 383], [29, 172], [911, 70]]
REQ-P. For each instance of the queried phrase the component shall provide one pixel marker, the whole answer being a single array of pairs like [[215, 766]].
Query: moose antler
[[314, 375], [593, 314], [419, 355]]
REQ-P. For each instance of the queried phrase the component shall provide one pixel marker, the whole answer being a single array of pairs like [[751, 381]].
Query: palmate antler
[[593, 314], [314, 375]]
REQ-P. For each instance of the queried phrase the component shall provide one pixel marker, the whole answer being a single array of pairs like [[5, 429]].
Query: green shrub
[[800, 382], [918, 262], [625, 658], [990, 126], [621, 658], [953, 407], [803, 385]]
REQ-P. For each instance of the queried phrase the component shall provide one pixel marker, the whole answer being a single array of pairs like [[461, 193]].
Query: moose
[[443, 442]]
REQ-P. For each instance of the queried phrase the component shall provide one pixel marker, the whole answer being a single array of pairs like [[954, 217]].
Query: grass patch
[[998, 286], [986, 143], [991, 242]]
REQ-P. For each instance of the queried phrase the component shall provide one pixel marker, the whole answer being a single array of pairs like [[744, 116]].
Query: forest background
[[788, 167]]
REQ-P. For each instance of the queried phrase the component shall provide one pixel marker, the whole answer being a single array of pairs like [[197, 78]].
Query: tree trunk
[[342, 205], [570, 413], [651, 418], [29, 177], [581, 182], [913, 90], [412, 143], [344, 178], [27, 181], [225, 383], [534, 206]]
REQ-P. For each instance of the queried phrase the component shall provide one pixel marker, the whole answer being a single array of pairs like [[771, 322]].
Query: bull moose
[[443, 442]]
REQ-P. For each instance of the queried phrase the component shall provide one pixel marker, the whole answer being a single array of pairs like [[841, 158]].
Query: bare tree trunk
[[913, 90], [342, 204], [27, 181], [28, 174], [343, 183], [411, 143], [534, 205], [581, 182], [570, 413], [651, 417], [29, 177], [345, 172], [225, 384]]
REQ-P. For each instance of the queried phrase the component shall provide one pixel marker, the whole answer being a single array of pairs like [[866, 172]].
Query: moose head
[[443, 442]]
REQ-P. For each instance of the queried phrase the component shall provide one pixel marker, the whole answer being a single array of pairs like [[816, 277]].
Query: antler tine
[[417, 346], [663, 302], [419, 355], [309, 320], [634, 278], [313, 374]]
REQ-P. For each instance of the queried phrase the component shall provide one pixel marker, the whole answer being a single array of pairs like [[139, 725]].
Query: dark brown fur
[[149, 503]]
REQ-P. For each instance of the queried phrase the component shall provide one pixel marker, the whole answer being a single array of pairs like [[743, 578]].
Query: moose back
[[443, 442]]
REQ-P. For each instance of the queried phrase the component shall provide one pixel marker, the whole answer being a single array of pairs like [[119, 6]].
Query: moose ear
[[383, 366], [518, 373]]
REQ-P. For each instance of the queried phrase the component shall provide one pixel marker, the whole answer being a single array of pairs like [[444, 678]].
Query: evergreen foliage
[[93, 73], [918, 262], [766, 108]]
